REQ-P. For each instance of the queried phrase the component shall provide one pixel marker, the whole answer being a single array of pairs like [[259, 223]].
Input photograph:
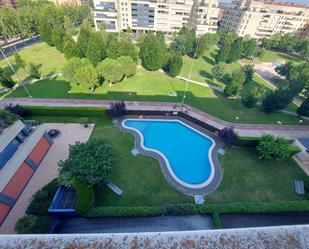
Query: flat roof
[[19, 156], [296, 237], [304, 141], [10, 133]]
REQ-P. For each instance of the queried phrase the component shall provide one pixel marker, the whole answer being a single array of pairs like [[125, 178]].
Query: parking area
[[48, 169]]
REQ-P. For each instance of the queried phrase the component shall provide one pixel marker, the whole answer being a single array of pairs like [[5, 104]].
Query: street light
[[189, 76], [69, 92], [14, 71]]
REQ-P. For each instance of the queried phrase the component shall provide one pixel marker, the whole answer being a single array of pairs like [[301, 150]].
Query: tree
[[127, 48], [112, 70], [276, 101], [219, 70], [83, 37], [89, 162], [34, 71], [71, 66], [303, 110], [152, 53], [249, 72], [6, 79], [250, 97], [31, 224], [236, 50], [96, 50], [225, 49], [228, 136], [210, 39], [249, 48], [202, 46], [238, 79], [184, 42], [19, 61], [70, 48], [178, 45], [57, 39], [273, 147], [116, 109], [174, 64], [87, 76], [128, 65], [112, 49]]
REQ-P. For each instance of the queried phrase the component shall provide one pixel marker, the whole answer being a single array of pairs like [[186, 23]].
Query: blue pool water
[[185, 149]]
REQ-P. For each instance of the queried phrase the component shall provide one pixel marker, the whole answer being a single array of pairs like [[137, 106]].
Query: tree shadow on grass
[[205, 74], [209, 61]]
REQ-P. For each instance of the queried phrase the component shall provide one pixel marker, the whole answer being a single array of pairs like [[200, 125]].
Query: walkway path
[[287, 131], [48, 169]]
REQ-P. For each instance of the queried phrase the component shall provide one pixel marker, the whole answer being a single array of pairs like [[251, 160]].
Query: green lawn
[[47, 58], [155, 86], [245, 178], [151, 86], [270, 55]]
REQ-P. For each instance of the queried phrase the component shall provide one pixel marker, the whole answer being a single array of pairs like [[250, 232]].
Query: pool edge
[[204, 188]]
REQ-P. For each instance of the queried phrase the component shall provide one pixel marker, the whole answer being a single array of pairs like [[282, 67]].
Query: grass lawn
[[246, 178], [151, 86], [48, 59], [271, 55]]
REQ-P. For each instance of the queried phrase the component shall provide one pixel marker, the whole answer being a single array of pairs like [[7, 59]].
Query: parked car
[[53, 133]]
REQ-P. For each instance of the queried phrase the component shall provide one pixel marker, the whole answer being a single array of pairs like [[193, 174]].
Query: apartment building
[[73, 2], [264, 18], [9, 3], [167, 16]]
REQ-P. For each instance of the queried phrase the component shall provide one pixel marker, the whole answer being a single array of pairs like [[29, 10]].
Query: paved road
[[287, 131], [137, 224]]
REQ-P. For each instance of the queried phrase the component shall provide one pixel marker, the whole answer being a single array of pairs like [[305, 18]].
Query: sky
[[294, 1]]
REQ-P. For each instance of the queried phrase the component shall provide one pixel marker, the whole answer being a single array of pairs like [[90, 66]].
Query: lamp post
[[14, 71], [189, 76]]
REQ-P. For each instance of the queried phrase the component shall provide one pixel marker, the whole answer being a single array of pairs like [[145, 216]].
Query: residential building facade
[[167, 16], [264, 18], [73, 2]]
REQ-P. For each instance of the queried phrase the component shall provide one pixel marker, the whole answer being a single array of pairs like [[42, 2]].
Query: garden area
[[250, 184]]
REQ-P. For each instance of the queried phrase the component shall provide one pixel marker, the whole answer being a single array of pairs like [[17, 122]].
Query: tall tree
[[236, 50], [152, 53], [249, 48], [277, 100], [225, 49], [238, 79], [174, 64], [70, 48], [5, 79], [128, 65], [19, 61], [71, 66], [83, 37], [96, 51], [249, 72], [57, 39], [87, 76], [111, 70]]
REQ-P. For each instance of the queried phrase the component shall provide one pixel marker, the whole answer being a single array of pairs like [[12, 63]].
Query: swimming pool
[[186, 151]]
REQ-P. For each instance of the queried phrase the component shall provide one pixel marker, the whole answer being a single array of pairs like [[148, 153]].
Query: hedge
[[65, 111], [85, 197], [42, 199], [33, 225], [248, 141], [214, 209]]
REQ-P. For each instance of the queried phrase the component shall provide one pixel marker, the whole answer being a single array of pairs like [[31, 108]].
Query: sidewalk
[[287, 131]]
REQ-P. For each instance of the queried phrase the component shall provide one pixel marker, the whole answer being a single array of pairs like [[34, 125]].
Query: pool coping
[[169, 176]]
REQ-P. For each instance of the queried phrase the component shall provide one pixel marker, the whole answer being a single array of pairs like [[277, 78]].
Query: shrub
[[248, 141], [174, 64], [65, 111], [16, 109], [6, 79], [303, 110], [7, 118], [228, 136], [85, 197], [42, 199], [117, 109], [33, 225], [273, 147], [89, 162], [34, 71], [66, 179]]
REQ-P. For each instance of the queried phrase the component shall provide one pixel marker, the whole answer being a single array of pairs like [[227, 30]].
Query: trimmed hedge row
[[85, 197], [213, 209], [66, 111]]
